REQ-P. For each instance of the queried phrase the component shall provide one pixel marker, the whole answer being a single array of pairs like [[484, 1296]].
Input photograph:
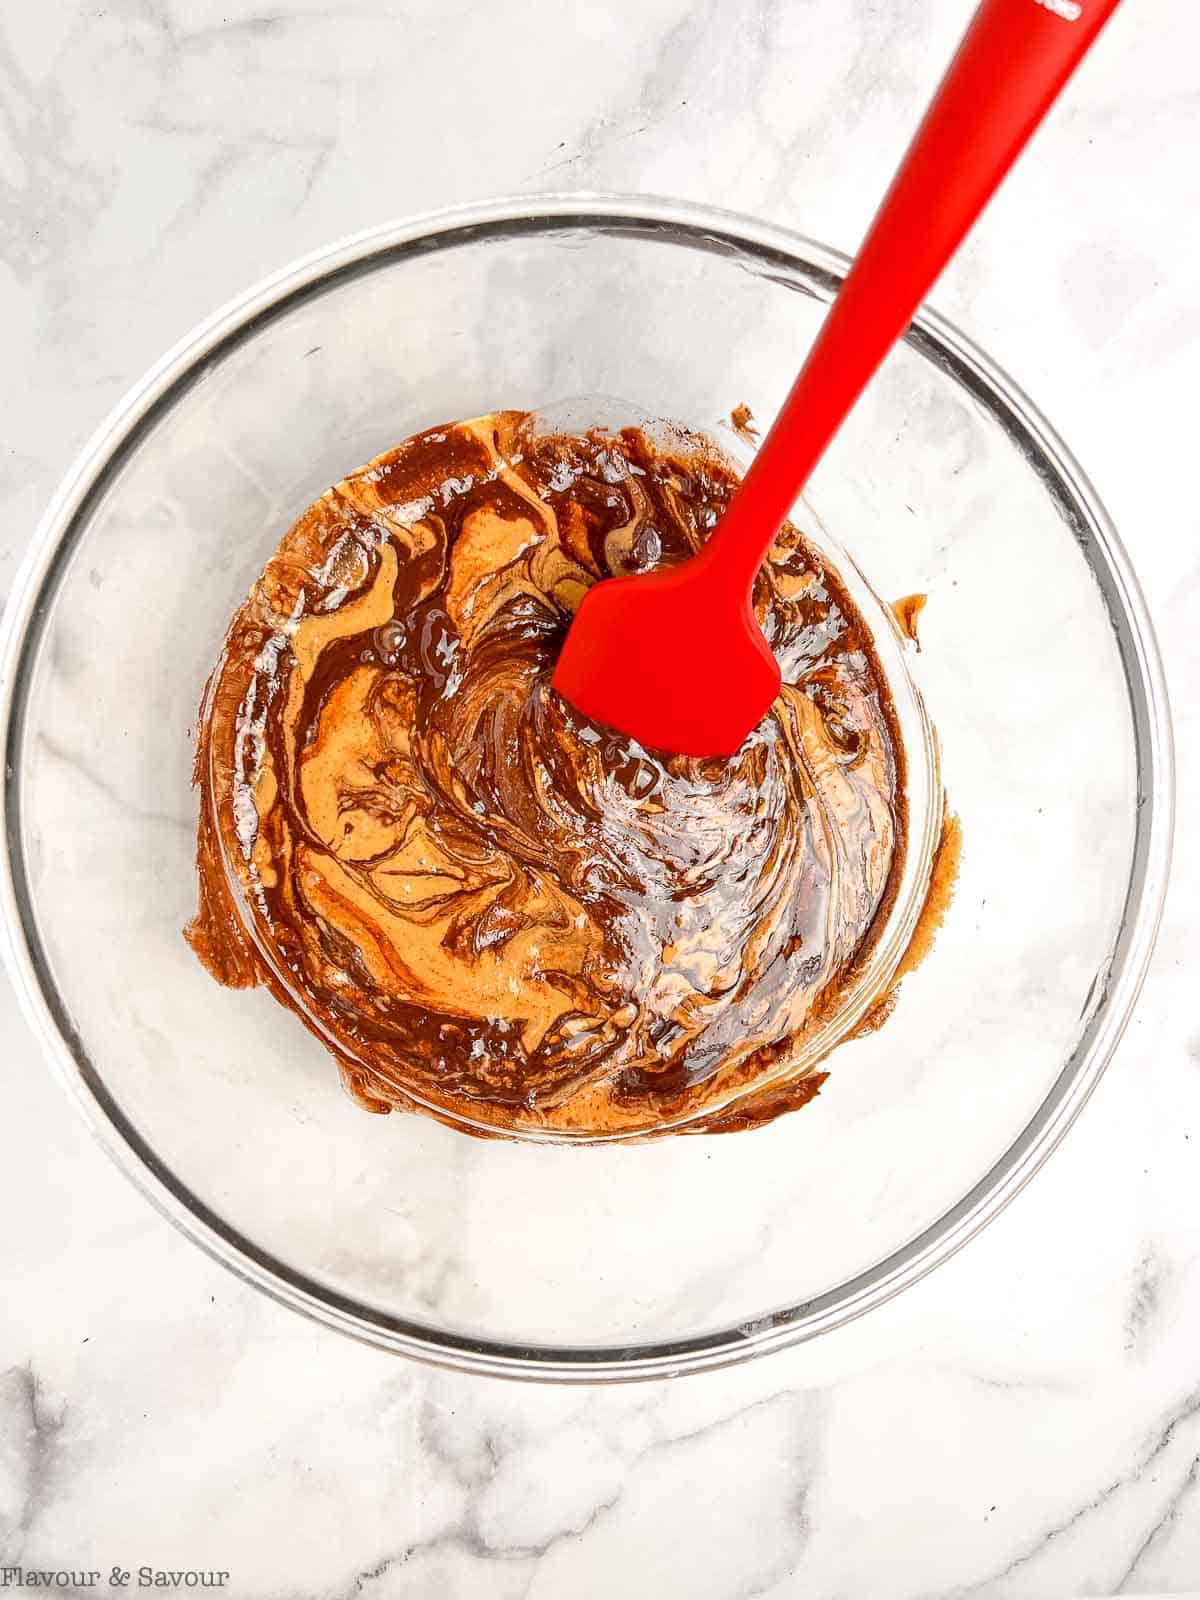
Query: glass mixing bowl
[[623, 1260]]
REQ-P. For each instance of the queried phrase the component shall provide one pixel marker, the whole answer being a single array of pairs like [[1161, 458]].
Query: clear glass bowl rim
[[723, 232]]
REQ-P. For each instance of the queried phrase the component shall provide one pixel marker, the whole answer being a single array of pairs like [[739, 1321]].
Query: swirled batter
[[488, 907]]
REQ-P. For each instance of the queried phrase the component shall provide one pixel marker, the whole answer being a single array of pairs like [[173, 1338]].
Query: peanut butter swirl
[[488, 907]]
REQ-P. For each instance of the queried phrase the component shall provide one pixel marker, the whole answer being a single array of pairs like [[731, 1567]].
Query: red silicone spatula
[[676, 658]]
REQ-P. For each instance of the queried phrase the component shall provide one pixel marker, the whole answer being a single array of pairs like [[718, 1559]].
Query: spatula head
[[671, 658]]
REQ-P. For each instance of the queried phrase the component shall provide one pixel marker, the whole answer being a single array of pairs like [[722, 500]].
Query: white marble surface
[[1026, 1423]]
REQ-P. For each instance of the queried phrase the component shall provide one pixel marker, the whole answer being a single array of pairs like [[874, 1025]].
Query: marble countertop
[[1026, 1422]]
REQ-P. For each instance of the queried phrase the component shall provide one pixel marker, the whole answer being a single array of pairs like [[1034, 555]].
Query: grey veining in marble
[[1023, 1425]]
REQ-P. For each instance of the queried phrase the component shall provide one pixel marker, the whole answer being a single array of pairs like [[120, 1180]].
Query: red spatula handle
[[1016, 56]]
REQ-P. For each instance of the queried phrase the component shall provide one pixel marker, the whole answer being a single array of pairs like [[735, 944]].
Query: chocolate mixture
[[488, 907]]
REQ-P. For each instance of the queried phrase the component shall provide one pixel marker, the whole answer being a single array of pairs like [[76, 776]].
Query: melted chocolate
[[487, 906]]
